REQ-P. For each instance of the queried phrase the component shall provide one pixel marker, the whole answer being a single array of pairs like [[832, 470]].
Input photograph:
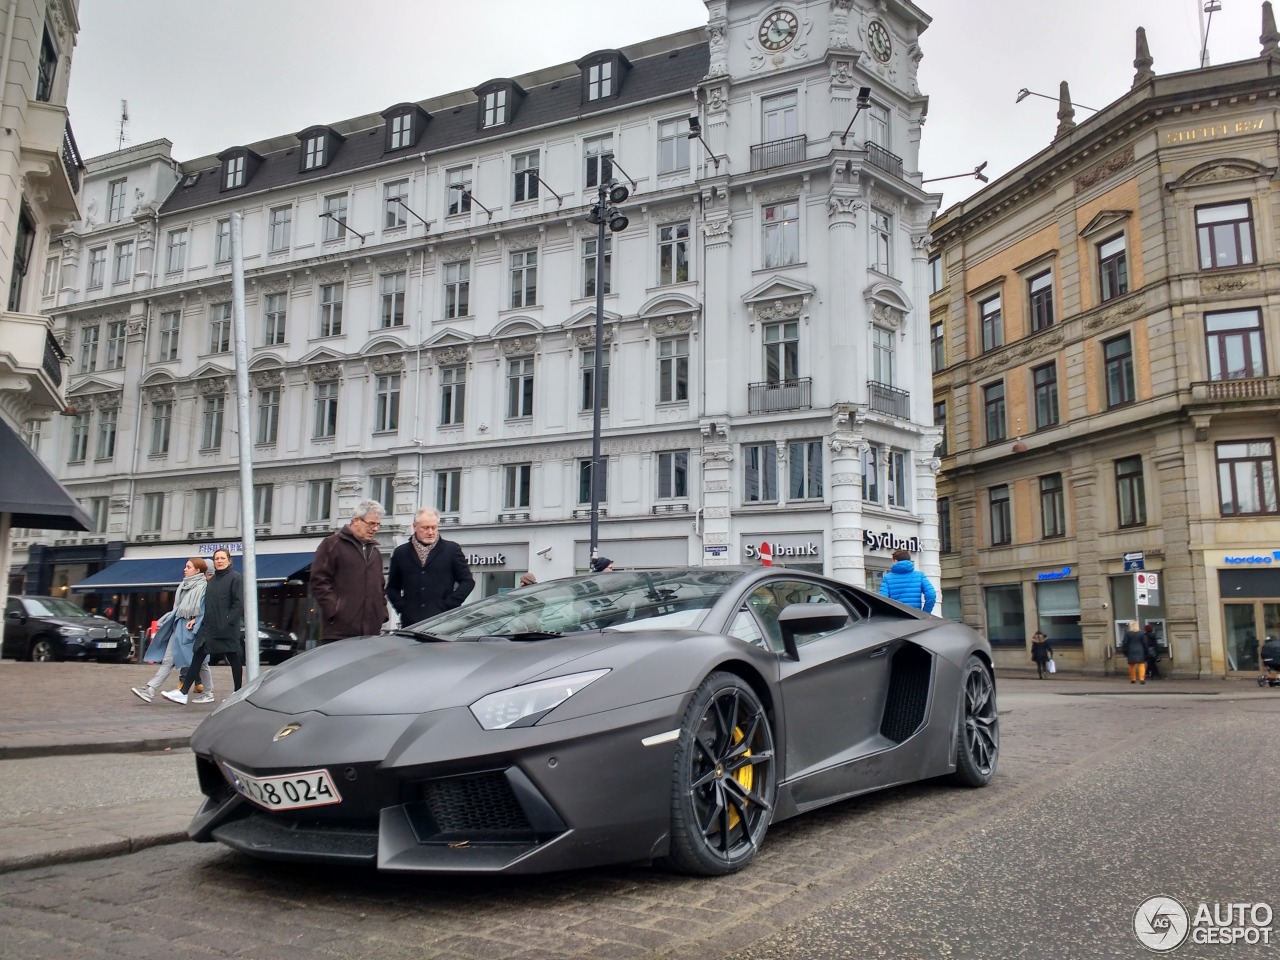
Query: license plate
[[106, 646], [310, 788], [283, 646]]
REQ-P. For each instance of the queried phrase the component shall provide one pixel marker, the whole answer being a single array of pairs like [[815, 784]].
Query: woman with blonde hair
[[1136, 649], [176, 634]]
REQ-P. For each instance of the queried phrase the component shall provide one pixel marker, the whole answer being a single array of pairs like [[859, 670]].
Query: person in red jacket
[[346, 578]]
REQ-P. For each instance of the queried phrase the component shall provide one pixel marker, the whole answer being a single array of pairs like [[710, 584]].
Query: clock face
[[881, 45], [778, 30]]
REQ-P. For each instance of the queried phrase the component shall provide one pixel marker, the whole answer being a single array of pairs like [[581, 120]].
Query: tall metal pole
[[249, 556], [601, 210]]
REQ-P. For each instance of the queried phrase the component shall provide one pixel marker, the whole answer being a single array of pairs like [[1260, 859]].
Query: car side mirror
[[17, 616], [799, 618]]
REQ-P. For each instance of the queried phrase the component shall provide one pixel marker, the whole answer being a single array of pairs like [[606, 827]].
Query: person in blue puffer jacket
[[908, 585]]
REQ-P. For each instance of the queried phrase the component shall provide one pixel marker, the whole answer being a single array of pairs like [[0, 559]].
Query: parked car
[[51, 628], [274, 646]]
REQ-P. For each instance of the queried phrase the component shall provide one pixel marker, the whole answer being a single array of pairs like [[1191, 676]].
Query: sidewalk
[[77, 709]]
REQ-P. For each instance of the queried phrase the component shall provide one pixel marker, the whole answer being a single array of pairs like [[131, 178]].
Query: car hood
[[399, 675], [85, 623]]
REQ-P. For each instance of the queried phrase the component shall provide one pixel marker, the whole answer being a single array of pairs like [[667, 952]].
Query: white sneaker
[[143, 693], [176, 696], [203, 698]]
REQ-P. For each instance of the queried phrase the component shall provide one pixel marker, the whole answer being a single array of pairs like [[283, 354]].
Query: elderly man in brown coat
[[346, 578]]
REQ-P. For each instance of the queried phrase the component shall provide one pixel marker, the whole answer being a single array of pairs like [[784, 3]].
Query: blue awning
[[164, 573]]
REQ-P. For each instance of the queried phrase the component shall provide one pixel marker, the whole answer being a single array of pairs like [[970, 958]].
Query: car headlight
[[240, 694], [525, 705], [73, 631]]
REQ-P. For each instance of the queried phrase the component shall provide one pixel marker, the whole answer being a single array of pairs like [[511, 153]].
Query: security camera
[[545, 553]]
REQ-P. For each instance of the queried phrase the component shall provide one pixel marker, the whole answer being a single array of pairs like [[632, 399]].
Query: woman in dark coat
[[220, 631], [1041, 652], [1136, 648]]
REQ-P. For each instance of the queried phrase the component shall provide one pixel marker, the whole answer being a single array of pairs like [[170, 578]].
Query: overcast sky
[[213, 75]]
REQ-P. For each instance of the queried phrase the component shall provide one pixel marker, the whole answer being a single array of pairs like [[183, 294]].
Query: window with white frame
[[79, 438], [115, 344], [804, 470], [275, 310], [161, 422], [394, 197], [589, 265], [453, 395], [234, 167], [107, 422], [222, 241], [584, 481], [1040, 300], [882, 356], [991, 316], [89, 335], [206, 508], [175, 256], [673, 253], [1113, 268], [401, 131], [598, 155], [781, 234], [213, 416], [382, 489], [896, 478], [519, 388], [330, 309], [123, 269], [871, 474], [319, 501], [335, 216], [587, 366], [263, 501], [935, 273], [457, 289], [1117, 359], [152, 512], [495, 108], [313, 152], [1224, 234], [760, 473], [220, 328], [31, 433], [458, 190], [673, 145], [268, 426], [97, 508], [781, 352], [1246, 477], [517, 478], [170, 328], [673, 475], [524, 169], [393, 286], [52, 270], [673, 370], [524, 278], [600, 80], [1234, 342], [878, 125], [780, 116], [448, 492], [881, 242], [325, 426], [386, 403], [97, 267], [280, 229], [115, 200]]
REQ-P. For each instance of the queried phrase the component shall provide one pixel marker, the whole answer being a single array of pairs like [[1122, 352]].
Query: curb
[[28, 751]]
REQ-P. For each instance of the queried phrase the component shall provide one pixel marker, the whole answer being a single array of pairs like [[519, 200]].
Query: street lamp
[[603, 213], [1024, 93], [976, 173], [864, 101]]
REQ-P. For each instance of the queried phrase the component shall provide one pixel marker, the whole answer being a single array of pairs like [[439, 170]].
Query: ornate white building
[[421, 307]]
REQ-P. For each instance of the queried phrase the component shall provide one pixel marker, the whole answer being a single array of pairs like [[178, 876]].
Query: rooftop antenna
[[124, 121]]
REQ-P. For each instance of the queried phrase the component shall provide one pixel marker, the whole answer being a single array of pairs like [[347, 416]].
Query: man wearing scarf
[[428, 575]]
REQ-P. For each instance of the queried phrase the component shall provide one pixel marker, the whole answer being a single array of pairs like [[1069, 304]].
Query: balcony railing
[[778, 153], [678, 506], [882, 398], [53, 359], [514, 517], [776, 395], [878, 156], [71, 161], [584, 513], [1250, 388]]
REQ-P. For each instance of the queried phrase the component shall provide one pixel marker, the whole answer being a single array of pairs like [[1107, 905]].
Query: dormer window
[[499, 101], [404, 125], [238, 167], [602, 75], [319, 146], [495, 108]]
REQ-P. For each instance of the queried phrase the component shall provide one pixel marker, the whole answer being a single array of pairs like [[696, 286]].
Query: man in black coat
[[428, 575]]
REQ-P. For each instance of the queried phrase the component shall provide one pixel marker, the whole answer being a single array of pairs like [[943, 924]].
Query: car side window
[[783, 593], [746, 629], [11, 608]]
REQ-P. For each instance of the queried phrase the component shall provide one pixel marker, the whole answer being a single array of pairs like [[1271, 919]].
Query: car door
[[17, 630]]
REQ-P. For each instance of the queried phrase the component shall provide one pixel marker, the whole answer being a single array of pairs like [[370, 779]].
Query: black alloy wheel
[[43, 650], [978, 733], [724, 783]]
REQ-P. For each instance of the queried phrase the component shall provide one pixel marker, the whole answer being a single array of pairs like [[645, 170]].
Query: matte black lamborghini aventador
[[666, 715]]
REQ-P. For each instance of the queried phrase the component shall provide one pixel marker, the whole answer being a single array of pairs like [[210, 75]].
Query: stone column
[[848, 451], [717, 491]]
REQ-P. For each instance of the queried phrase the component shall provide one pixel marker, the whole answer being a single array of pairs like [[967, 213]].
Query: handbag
[[1053, 668]]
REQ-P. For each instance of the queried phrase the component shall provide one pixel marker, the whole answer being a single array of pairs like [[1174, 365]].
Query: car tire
[[44, 650], [977, 726], [724, 785]]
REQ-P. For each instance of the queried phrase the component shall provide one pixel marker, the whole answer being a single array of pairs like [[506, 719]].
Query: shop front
[[495, 567], [1247, 584], [878, 548], [804, 550], [634, 553]]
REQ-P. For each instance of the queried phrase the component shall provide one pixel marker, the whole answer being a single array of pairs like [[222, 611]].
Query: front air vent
[[904, 708]]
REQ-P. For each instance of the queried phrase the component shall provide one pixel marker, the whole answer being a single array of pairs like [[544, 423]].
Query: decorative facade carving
[[324, 372], [1230, 284], [1116, 315], [844, 208], [455, 253], [107, 401], [519, 346], [1105, 169], [717, 228], [263, 379], [346, 485], [451, 355], [212, 386], [385, 363], [587, 338], [668, 325], [523, 241], [161, 393], [1020, 352], [779, 310], [886, 316]]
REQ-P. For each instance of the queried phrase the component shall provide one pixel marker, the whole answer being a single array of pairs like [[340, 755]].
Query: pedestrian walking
[[428, 574], [174, 639], [906, 584], [1041, 653], [1153, 651], [346, 578], [1135, 645], [601, 565], [220, 632]]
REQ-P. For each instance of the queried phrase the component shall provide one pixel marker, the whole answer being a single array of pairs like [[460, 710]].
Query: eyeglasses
[[372, 524]]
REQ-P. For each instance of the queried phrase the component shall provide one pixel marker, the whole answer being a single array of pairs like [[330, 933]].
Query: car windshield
[[620, 601], [53, 607]]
